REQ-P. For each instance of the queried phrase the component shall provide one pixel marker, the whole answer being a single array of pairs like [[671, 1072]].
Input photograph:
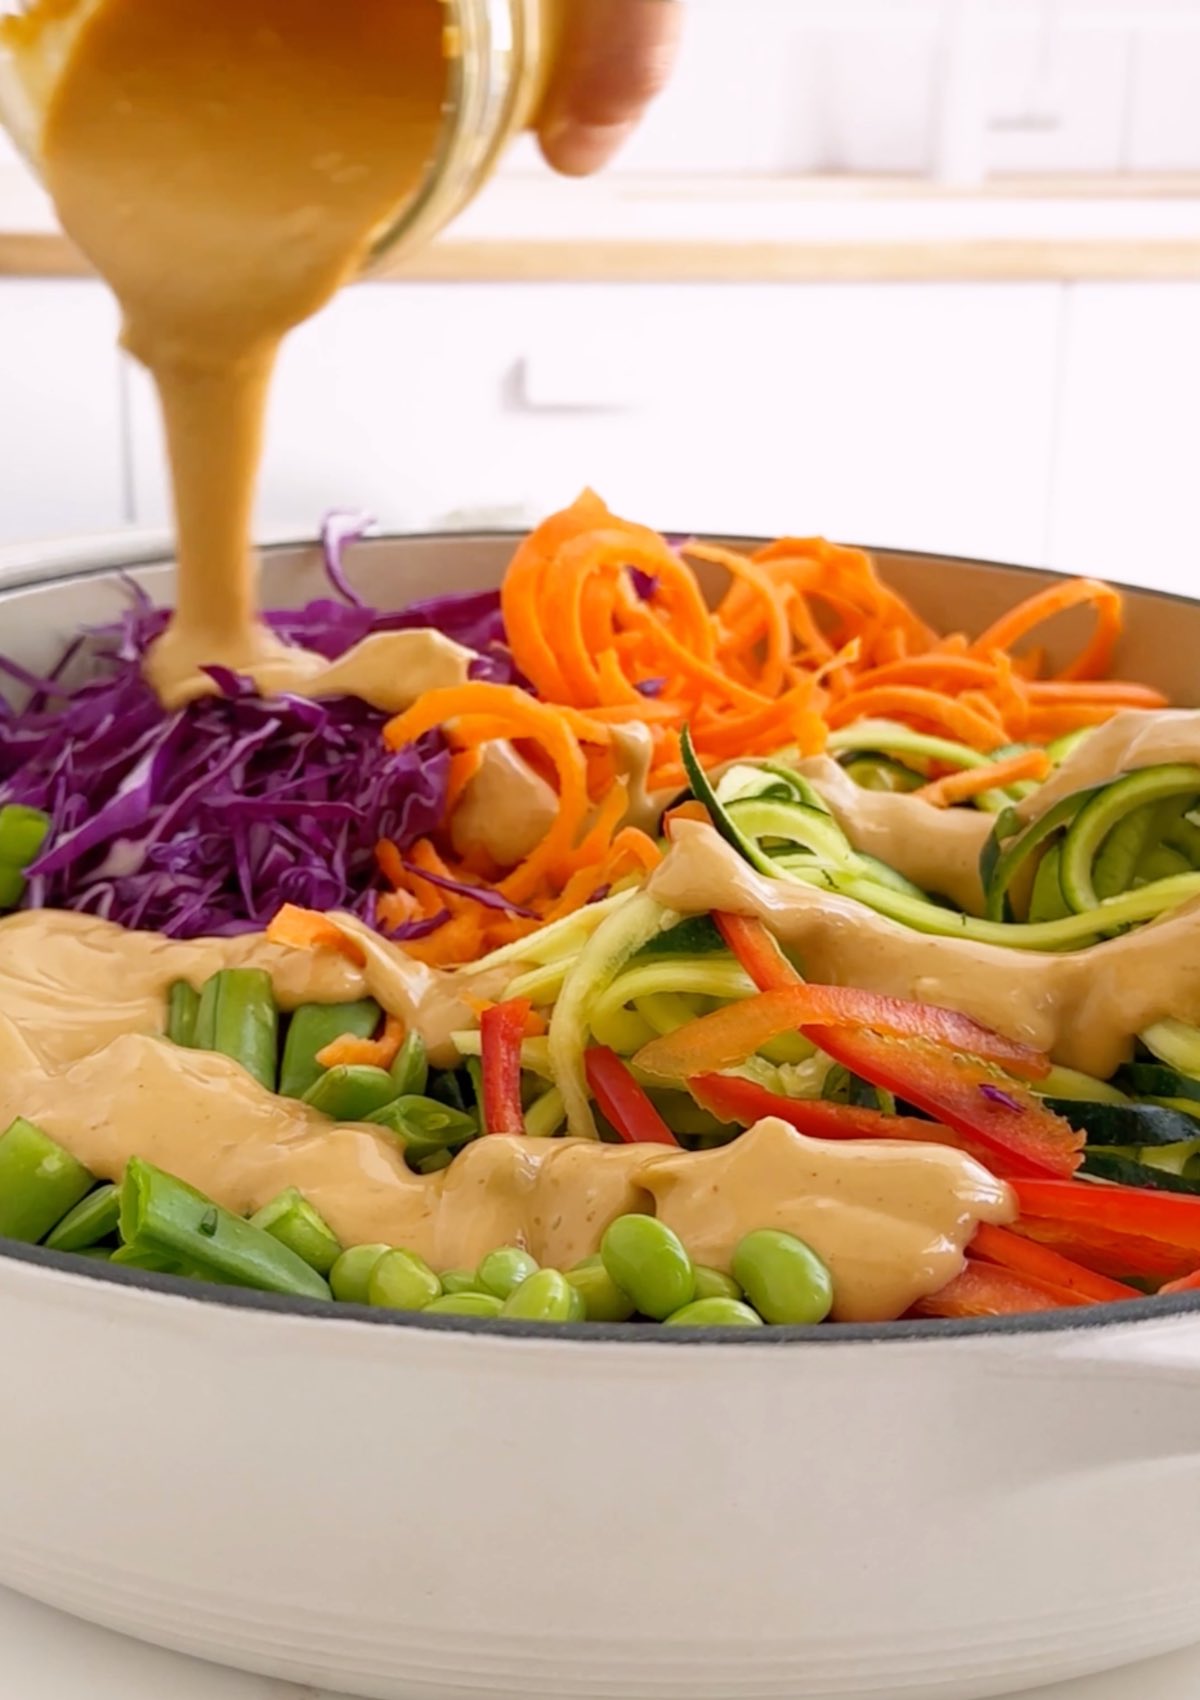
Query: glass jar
[[500, 55]]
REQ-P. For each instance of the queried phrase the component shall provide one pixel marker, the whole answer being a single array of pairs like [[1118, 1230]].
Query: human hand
[[616, 57]]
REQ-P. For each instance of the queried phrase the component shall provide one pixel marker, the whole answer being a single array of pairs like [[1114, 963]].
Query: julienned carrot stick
[[995, 775]]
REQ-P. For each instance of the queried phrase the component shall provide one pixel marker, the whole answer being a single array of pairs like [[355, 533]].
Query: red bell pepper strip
[[1002, 1119], [1040, 1263], [983, 1289], [730, 1035], [1189, 1284], [502, 1028], [622, 1100], [756, 950], [1168, 1216], [734, 1099], [1119, 1230], [1124, 1257]]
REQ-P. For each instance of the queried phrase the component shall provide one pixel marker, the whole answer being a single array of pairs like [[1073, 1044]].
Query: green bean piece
[[350, 1276], [153, 1262], [715, 1312], [545, 1297], [648, 1261], [238, 1017], [435, 1164], [410, 1071], [502, 1271], [425, 1125], [183, 1007], [456, 1281], [93, 1219], [715, 1284], [474, 1068], [351, 1092], [23, 832], [483, 1305], [39, 1183], [311, 1028], [783, 1278], [603, 1300], [12, 887], [402, 1281], [291, 1219], [164, 1215]]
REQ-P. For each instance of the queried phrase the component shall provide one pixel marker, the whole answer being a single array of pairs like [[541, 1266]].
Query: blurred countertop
[[535, 228]]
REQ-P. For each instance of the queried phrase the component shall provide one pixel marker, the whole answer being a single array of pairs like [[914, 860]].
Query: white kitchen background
[[1046, 422]]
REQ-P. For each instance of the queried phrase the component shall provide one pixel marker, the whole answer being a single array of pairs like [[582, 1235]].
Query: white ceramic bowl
[[443, 1510]]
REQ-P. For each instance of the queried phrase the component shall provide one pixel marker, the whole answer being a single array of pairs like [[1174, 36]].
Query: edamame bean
[[351, 1274], [715, 1284], [544, 1297], [459, 1281], [402, 1281], [783, 1278], [503, 1270], [648, 1261], [603, 1300], [465, 1304], [721, 1312]]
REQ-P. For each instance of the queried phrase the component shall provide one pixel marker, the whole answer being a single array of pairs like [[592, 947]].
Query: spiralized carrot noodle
[[611, 627]]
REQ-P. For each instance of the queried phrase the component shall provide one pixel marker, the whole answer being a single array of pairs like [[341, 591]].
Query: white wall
[[1044, 423]]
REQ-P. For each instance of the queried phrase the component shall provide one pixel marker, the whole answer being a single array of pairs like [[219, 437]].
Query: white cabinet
[[920, 415], [1125, 502], [61, 426]]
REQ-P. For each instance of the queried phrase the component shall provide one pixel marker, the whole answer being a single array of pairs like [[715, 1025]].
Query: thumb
[[616, 57]]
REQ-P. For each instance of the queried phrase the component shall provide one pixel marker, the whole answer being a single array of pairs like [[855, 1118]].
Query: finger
[[616, 58]]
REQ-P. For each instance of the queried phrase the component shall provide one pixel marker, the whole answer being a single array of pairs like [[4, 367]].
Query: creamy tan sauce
[[226, 164], [82, 1055], [1132, 739], [938, 849], [891, 1221], [1083, 1007], [506, 810]]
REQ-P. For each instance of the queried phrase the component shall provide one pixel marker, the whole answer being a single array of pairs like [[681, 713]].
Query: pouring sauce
[[226, 165]]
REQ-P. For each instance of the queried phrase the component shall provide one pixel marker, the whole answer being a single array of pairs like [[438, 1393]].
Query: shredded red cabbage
[[207, 819]]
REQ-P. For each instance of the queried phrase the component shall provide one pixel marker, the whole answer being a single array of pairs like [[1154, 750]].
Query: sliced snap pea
[[502, 1271], [425, 1125], [350, 1276], [410, 1071], [39, 1183], [715, 1312], [715, 1284], [783, 1278], [93, 1219], [12, 887], [544, 1297], [312, 1027], [291, 1219], [351, 1092], [402, 1281], [239, 1018], [163, 1216], [23, 832], [648, 1261], [603, 1300], [183, 1008], [483, 1305]]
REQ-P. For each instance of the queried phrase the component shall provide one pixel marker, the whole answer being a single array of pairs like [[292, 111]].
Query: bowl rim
[[66, 559]]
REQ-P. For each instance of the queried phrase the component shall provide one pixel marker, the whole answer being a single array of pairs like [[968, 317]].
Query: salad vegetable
[[805, 925]]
